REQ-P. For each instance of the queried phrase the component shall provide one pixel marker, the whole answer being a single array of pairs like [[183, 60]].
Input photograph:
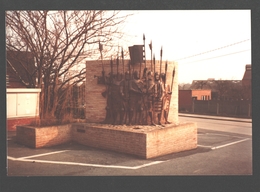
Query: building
[[247, 83], [22, 100], [186, 98], [20, 69], [216, 91]]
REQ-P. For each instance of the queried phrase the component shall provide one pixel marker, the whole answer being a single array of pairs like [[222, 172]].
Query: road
[[224, 148], [220, 125]]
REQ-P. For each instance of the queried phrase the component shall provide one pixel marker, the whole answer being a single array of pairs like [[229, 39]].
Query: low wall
[[37, 137], [172, 139], [142, 141], [12, 123], [119, 139]]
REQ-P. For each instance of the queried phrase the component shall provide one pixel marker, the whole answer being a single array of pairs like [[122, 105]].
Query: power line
[[213, 50], [218, 56]]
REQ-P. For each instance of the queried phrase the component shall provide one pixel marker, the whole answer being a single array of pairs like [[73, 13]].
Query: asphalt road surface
[[224, 148]]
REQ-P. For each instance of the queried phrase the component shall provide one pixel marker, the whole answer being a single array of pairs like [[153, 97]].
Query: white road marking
[[43, 154], [228, 144], [84, 164], [223, 135], [26, 159], [204, 146]]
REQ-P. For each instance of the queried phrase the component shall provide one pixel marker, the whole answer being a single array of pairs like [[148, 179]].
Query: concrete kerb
[[216, 117]]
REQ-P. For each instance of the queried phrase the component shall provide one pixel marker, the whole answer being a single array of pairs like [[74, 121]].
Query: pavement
[[246, 120]]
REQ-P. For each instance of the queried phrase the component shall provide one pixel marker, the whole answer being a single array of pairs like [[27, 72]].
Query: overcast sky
[[206, 44]]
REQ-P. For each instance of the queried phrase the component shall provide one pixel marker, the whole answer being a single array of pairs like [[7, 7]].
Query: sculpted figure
[[108, 96], [116, 100], [166, 99], [158, 95], [144, 99], [124, 92], [135, 92], [150, 96]]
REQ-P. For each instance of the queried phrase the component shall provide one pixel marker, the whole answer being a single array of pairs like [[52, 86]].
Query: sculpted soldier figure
[[124, 92], [116, 100], [150, 96], [107, 94], [158, 95], [143, 103], [166, 99], [135, 93]]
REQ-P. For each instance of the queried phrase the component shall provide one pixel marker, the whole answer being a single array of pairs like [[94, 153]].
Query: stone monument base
[[142, 141]]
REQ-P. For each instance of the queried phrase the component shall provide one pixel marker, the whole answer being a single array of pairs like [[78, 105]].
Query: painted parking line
[[43, 154], [228, 144], [225, 145], [223, 135], [84, 164]]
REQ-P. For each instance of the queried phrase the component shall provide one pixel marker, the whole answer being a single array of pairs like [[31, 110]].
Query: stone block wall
[[112, 139], [142, 142], [171, 140], [145, 141], [43, 136]]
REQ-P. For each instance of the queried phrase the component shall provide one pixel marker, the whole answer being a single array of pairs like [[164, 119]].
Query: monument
[[132, 106]]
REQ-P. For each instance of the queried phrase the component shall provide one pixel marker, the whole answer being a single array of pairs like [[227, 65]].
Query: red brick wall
[[54, 135], [13, 122], [116, 140], [185, 100], [96, 103], [26, 136], [199, 93], [43, 136], [145, 143], [171, 140]]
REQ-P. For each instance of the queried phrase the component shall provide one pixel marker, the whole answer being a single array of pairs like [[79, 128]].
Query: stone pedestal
[[141, 141]]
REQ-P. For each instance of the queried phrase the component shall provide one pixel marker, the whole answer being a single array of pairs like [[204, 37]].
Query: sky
[[205, 43]]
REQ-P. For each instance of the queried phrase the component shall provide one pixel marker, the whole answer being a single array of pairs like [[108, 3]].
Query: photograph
[[128, 92]]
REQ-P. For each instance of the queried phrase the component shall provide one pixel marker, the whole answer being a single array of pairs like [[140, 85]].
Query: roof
[[247, 74], [214, 85], [20, 63]]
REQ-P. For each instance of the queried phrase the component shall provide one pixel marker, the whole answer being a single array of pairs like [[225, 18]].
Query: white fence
[[22, 102]]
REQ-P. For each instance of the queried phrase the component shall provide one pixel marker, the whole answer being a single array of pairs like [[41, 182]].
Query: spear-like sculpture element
[[161, 60], [173, 73], [151, 48], [154, 64], [111, 66], [117, 64], [100, 50], [167, 113], [122, 55], [166, 65], [144, 52]]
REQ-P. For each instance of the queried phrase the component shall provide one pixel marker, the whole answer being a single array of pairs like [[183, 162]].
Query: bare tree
[[59, 42]]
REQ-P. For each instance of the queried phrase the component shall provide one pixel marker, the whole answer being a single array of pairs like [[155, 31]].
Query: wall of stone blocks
[[25, 136], [116, 140], [171, 140], [43, 136], [96, 103], [141, 142], [53, 135]]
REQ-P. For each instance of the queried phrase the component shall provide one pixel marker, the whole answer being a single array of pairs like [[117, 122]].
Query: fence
[[239, 108]]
